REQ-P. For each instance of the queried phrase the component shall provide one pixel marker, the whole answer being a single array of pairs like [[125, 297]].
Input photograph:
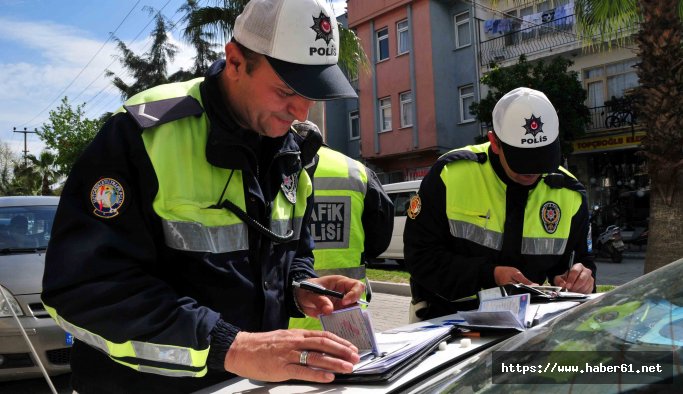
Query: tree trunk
[[665, 241], [660, 95]]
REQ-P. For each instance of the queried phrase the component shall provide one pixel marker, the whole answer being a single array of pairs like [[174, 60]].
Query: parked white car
[[25, 227], [400, 194]]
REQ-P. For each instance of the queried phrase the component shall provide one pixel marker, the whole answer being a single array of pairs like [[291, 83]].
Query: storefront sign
[[606, 143], [413, 174]]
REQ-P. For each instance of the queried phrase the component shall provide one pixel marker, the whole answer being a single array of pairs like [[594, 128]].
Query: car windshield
[[639, 323], [25, 227]]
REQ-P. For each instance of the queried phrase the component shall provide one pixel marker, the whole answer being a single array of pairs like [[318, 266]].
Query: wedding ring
[[303, 358]]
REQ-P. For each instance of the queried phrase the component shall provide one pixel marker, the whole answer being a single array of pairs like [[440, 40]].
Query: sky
[[50, 49]]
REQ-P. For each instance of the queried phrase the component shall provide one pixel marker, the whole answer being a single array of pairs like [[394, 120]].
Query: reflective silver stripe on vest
[[195, 237], [167, 354], [145, 351], [494, 240], [167, 372], [281, 227], [353, 182], [538, 246], [85, 336], [351, 272], [476, 234]]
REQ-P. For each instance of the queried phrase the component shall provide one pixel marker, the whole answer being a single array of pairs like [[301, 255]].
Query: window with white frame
[[354, 125], [463, 35], [406, 99], [466, 94], [385, 114], [382, 44], [609, 80], [402, 37]]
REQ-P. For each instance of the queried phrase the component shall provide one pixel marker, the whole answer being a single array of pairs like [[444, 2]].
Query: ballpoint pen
[[315, 288], [571, 263], [571, 260]]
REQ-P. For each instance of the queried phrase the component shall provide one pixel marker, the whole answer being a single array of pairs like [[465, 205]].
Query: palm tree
[[150, 69], [46, 168], [660, 73], [217, 20], [26, 181], [203, 41]]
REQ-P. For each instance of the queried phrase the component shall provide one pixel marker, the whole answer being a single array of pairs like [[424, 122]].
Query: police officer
[[180, 229], [497, 213], [353, 217]]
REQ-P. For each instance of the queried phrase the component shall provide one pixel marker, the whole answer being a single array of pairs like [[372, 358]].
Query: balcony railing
[[530, 40], [557, 35], [610, 117]]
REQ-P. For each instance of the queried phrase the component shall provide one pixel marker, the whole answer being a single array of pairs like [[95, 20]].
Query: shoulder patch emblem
[[550, 216], [415, 206], [107, 197], [288, 187]]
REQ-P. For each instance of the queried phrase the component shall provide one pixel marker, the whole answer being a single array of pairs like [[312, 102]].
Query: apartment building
[[413, 105]]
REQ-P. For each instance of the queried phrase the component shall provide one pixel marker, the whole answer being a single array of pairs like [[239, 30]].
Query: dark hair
[[250, 56]]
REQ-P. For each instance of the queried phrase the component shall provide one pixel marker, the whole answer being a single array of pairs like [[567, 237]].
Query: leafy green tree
[[68, 132], [7, 160], [554, 79], [660, 93]]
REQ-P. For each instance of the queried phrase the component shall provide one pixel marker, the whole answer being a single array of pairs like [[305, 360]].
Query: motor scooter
[[606, 242]]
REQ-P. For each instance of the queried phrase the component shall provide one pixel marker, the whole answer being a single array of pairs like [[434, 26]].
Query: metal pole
[[28, 341], [25, 145]]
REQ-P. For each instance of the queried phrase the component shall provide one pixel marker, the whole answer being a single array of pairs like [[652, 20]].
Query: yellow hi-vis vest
[[476, 211], [188, 185], [340, 184]]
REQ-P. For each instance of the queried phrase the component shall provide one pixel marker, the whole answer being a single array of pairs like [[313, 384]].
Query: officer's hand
[[578, 279], [313, 304], [504, 275], [276, 355]]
